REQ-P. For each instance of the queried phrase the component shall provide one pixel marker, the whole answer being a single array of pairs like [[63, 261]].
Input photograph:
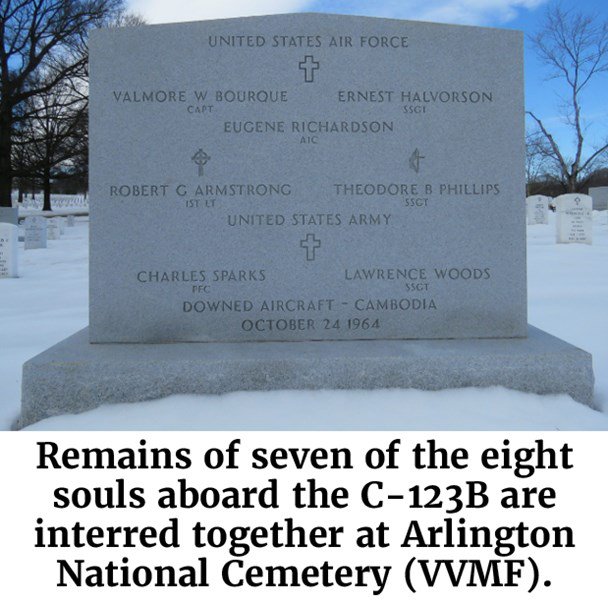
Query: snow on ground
[[48, 302], [568, 297]]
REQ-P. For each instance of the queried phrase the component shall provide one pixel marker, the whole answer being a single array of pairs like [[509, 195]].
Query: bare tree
[[40, 37], [48, 142], [536, 159], [575, 47]]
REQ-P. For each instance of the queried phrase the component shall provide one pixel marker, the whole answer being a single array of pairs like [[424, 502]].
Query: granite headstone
[[35, 233], [53, 230], [574, 222], [305, 181], [9, 235], [600, 197], [537, 209], [331, 185], [9, 215]]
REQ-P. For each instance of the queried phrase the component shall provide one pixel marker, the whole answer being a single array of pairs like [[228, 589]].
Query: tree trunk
[[571, 185], [21, 190], [46, 186], [6, 175]]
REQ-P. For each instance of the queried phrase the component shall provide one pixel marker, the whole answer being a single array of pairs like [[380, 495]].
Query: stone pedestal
[[75, 376]]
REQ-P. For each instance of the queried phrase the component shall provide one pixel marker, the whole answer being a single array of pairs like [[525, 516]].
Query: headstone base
[[74, 375]]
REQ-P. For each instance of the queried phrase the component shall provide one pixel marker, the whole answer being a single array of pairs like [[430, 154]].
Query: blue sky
[[542, 96]]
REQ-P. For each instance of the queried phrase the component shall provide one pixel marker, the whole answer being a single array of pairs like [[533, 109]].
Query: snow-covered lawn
[[567, 297]]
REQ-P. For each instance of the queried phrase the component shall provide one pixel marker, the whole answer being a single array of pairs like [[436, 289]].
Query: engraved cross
[[310, 243], [201, 158], [309, 65], [415, 159]]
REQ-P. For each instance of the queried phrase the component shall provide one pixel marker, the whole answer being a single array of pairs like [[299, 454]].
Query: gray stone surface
[[9, 252], [537, 209], [53, 230], [600, 197], [35, 233], [574, 219], [75, 376], [9, 215], [306, 177]]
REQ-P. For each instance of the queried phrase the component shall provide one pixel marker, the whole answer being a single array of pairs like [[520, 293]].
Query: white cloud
[[171, 11], [470, 12], [475, 12]]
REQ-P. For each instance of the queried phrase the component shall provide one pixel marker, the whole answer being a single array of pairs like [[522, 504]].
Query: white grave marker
[[71, 220], [537, 210], [53, 232], [61, 221], [35, 233], [574, 219], [9, 234], [600, 197]]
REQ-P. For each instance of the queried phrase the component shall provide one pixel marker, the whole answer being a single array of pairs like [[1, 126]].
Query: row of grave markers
[[574, 222], [37, 231], [57, 201]]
